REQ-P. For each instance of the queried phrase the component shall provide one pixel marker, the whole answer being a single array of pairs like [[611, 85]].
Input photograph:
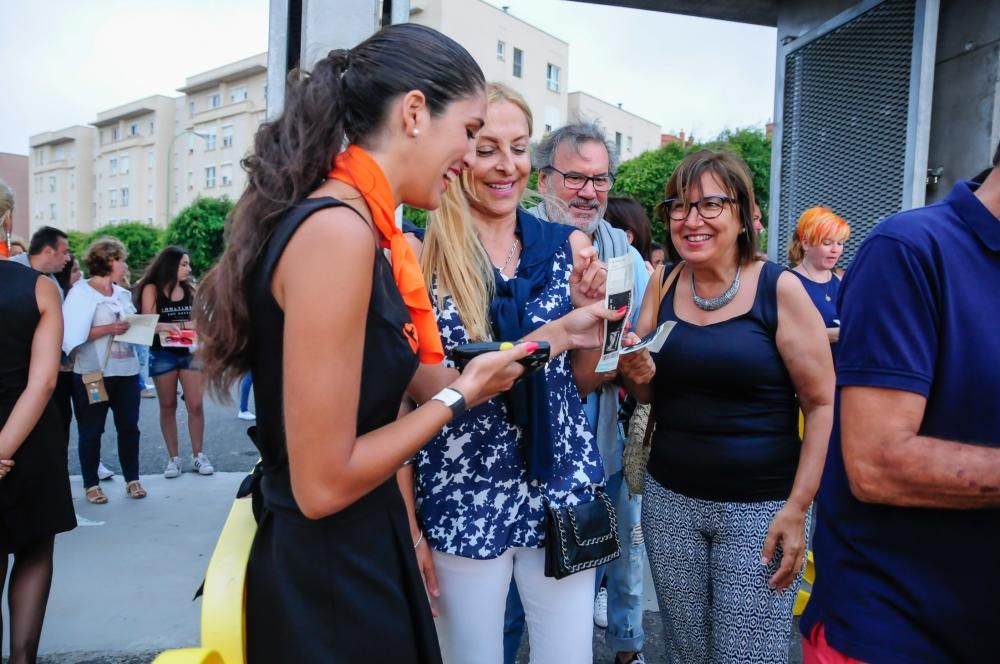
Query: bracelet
[[419, 540]]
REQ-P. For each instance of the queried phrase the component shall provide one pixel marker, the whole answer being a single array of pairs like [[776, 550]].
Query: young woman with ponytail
[[319, 295]]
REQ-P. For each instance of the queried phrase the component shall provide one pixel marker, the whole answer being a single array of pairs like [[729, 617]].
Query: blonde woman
[[497, 273]]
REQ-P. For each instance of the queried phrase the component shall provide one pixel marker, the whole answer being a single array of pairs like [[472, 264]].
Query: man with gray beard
[[576, 166]]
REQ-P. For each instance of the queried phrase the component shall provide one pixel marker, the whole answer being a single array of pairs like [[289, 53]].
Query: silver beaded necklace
[[713, 303], [510, 255]]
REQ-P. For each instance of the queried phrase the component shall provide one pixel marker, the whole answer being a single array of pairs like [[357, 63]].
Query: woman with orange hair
[[813, 252]]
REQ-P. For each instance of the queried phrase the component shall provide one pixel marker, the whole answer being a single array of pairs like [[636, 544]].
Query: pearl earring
[[416, 132]]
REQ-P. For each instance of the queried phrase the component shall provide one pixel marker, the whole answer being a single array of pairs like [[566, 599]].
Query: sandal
[[95, 495], [134, 490]]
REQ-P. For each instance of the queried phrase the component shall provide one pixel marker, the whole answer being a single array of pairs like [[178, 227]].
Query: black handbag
[[578, 537]]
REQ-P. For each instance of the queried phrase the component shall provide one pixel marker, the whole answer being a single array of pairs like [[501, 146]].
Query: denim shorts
[[164, 361]]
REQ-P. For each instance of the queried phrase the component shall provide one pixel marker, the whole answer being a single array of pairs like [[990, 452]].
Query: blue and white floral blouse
[[473, 497]]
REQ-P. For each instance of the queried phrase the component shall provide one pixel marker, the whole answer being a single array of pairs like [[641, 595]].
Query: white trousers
[[559, 613]]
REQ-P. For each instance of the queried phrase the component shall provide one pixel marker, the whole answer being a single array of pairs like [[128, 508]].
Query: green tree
[[754, 147], [416, 215], [142, 241], [78, 242], [199, 228]]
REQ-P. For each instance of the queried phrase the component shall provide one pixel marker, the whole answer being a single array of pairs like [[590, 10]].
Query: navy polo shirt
[[920, 312]]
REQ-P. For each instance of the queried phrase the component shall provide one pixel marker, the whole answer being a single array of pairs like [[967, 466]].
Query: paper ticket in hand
[[618, 294], [653, 342]]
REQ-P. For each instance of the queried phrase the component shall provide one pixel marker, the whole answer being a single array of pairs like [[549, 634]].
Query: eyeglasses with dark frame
[[708, 207], [577, 181]]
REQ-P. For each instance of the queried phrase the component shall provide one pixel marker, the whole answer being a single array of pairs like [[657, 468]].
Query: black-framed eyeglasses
[[708, 207], [577, 181]]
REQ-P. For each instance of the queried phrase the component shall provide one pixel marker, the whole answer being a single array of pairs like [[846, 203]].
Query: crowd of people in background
[[407, 505]]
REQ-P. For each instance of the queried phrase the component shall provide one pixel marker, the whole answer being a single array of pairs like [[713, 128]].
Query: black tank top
[[172, 312], [726, 410], [20, 315], [388, 364]]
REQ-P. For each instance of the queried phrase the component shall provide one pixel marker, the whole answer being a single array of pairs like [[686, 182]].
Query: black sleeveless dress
[[345, 588], [35, 498]]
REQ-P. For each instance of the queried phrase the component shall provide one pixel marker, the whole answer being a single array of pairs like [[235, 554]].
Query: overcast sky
[[63, 61]]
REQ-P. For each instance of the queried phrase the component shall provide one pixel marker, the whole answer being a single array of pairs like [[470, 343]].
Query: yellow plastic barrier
[[809, 577], [223, 604]]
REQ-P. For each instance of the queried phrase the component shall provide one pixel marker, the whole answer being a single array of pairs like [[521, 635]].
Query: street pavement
[[125, 579]]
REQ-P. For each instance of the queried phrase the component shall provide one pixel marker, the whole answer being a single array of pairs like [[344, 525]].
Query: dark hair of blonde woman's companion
[[344, 99], [734, 176]]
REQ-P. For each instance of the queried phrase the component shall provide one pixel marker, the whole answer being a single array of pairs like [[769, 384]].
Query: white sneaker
[[202, 464], [601, 608], [246, 415], [173, 468], [103, 472]]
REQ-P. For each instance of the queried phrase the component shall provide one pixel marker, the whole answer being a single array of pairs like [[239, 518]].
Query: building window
[[133, 129], [52, 211], [210, 139], [618, 141], [190, 180], [501, 50], [124, 196], [215, 101], [552, 77], [210, 177], [52, 183], [72, 151], [191, 107], [60, 153], [227, 175], [227, 136], [112, 198], [113, 166], [518, 62], [123, 163], [152, 126], [116, 133], [628, 143], [239, 93], [72, 181], [149, 193], [149, 160]]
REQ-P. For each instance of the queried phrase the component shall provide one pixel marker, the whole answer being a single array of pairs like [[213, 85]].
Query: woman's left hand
[[637, 367], [788, 529], [586, 283], [6, 465]]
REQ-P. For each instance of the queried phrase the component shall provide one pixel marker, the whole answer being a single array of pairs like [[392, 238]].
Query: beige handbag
[[93, 382], [641, 425]]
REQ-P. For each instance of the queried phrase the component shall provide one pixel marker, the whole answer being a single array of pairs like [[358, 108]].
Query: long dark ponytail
[[342, 100]]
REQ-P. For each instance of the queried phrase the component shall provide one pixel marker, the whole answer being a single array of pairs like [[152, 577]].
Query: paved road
[[226, 442]]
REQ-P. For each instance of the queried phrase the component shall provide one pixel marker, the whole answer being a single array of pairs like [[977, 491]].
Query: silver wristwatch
[[452, 398]]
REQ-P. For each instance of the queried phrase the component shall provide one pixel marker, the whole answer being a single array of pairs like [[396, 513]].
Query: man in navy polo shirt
[[908, 539]]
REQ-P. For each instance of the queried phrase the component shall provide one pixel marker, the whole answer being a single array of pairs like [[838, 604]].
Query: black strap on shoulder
[[290, 223]]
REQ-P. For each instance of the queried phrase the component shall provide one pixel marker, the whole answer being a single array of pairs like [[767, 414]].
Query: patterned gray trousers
[[712, 589]]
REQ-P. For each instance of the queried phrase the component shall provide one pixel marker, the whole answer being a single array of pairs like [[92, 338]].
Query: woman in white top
[[95, 311]]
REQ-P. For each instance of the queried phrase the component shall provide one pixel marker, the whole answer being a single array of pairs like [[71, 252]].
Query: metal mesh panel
[[844, 122]]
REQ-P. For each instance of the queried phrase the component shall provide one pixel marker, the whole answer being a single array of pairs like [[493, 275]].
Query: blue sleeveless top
[[725, 407]]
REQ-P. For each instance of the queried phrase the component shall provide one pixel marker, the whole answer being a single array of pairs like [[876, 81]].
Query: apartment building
[[631, 134], [61, 174], [130, 158], [217, 118], [14, 171], [509, 50]]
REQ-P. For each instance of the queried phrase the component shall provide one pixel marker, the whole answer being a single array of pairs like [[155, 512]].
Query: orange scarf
[[357, 168]]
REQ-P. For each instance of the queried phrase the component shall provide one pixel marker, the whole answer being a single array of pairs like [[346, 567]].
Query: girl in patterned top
[[497, 273]]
